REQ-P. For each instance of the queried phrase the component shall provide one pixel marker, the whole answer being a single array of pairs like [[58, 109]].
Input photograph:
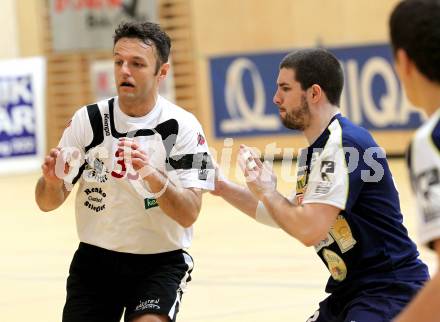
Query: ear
[[163, 71], [315, 93], [404, 64]]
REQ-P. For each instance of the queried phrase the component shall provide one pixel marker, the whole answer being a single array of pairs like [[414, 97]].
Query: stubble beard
[[298, 119]]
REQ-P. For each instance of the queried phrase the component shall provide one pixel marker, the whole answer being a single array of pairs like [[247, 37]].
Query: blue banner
[[243, 87], [17, 117], [22, 132]]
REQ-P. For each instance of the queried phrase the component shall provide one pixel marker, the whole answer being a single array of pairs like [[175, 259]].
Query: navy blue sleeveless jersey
[[368, 243]]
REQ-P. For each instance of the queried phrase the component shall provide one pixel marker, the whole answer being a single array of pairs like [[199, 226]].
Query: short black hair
[[150, 33], [415, 28], [317, 66]]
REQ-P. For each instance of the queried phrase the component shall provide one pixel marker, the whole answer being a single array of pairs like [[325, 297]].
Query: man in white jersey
[[415, 38], [141, 163]]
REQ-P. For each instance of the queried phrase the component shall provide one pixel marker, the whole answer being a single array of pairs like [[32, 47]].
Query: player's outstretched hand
[[133, 155], [260, 177], [53, 165]]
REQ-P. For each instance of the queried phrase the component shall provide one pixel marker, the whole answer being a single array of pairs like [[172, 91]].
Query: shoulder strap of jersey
[[98, 133], [97, 126]]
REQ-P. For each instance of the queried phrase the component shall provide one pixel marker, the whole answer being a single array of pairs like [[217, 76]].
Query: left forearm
[[292, 219], [180, 204]]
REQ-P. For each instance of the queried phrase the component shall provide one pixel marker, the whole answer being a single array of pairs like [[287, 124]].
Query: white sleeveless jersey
[[424, 164], [114, 208]]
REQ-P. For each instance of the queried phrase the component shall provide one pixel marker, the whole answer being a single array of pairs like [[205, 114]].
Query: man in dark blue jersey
[[415, 37], [345, 203]]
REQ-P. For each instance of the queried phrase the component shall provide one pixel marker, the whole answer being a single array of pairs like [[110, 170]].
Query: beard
[[298, 119]]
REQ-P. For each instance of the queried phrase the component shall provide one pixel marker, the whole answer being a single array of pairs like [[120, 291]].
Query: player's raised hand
[[133, 155], [260, 177], [51, 167]]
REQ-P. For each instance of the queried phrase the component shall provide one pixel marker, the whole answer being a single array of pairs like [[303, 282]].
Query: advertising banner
[[243, 87], [22, 134], [78, 25]]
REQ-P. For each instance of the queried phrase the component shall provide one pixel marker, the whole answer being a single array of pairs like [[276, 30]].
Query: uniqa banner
[[82, 25], [22, 106], [243, 87]]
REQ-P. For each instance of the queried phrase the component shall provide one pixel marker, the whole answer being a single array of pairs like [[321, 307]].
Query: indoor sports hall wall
[[8, 32], [225, 59], [237, 46]]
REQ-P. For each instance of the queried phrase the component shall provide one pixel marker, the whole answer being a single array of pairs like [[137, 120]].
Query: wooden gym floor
[[244, 271]]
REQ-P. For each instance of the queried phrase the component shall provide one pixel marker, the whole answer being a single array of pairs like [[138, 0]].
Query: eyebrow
[[134, 57], [283, 84]]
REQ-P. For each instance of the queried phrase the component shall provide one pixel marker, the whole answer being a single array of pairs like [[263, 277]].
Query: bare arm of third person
[[424, 307], [50, 191], [237, 195], [309, 223]]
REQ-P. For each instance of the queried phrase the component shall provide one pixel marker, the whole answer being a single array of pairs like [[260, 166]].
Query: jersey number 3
[[120, 173]]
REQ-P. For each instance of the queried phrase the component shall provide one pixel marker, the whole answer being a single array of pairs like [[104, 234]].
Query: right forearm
[[49, 196], [240, 197]]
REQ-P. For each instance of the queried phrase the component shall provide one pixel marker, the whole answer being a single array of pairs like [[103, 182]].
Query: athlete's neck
[[136, 107], [430, 98], [319, 122]]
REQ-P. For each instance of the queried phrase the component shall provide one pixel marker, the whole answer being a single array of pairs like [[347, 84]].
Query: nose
[[276, 98], [124, 68]]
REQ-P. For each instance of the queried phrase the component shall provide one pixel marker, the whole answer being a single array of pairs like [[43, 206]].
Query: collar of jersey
[[322, 138], [139, 119]]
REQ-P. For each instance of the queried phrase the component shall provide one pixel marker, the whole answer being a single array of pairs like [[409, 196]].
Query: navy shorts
[[103, 283], [374, 303]]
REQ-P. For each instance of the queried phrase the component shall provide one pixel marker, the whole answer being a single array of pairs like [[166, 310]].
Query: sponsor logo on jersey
[[148, 305], [301, 185], [323, 187], [96, 172], [106, 127], [324, 243], [335, 265], [326, 168], [203, 174], [200, 139], [95, 199], [150, 203], [428, 188], [341, 232]]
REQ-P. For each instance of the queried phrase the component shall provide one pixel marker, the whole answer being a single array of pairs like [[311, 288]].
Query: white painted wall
[[9, 30]]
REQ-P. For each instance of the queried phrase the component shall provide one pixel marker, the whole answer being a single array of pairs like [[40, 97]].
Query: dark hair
[[415, 28], [317, 66], [150, 33]]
